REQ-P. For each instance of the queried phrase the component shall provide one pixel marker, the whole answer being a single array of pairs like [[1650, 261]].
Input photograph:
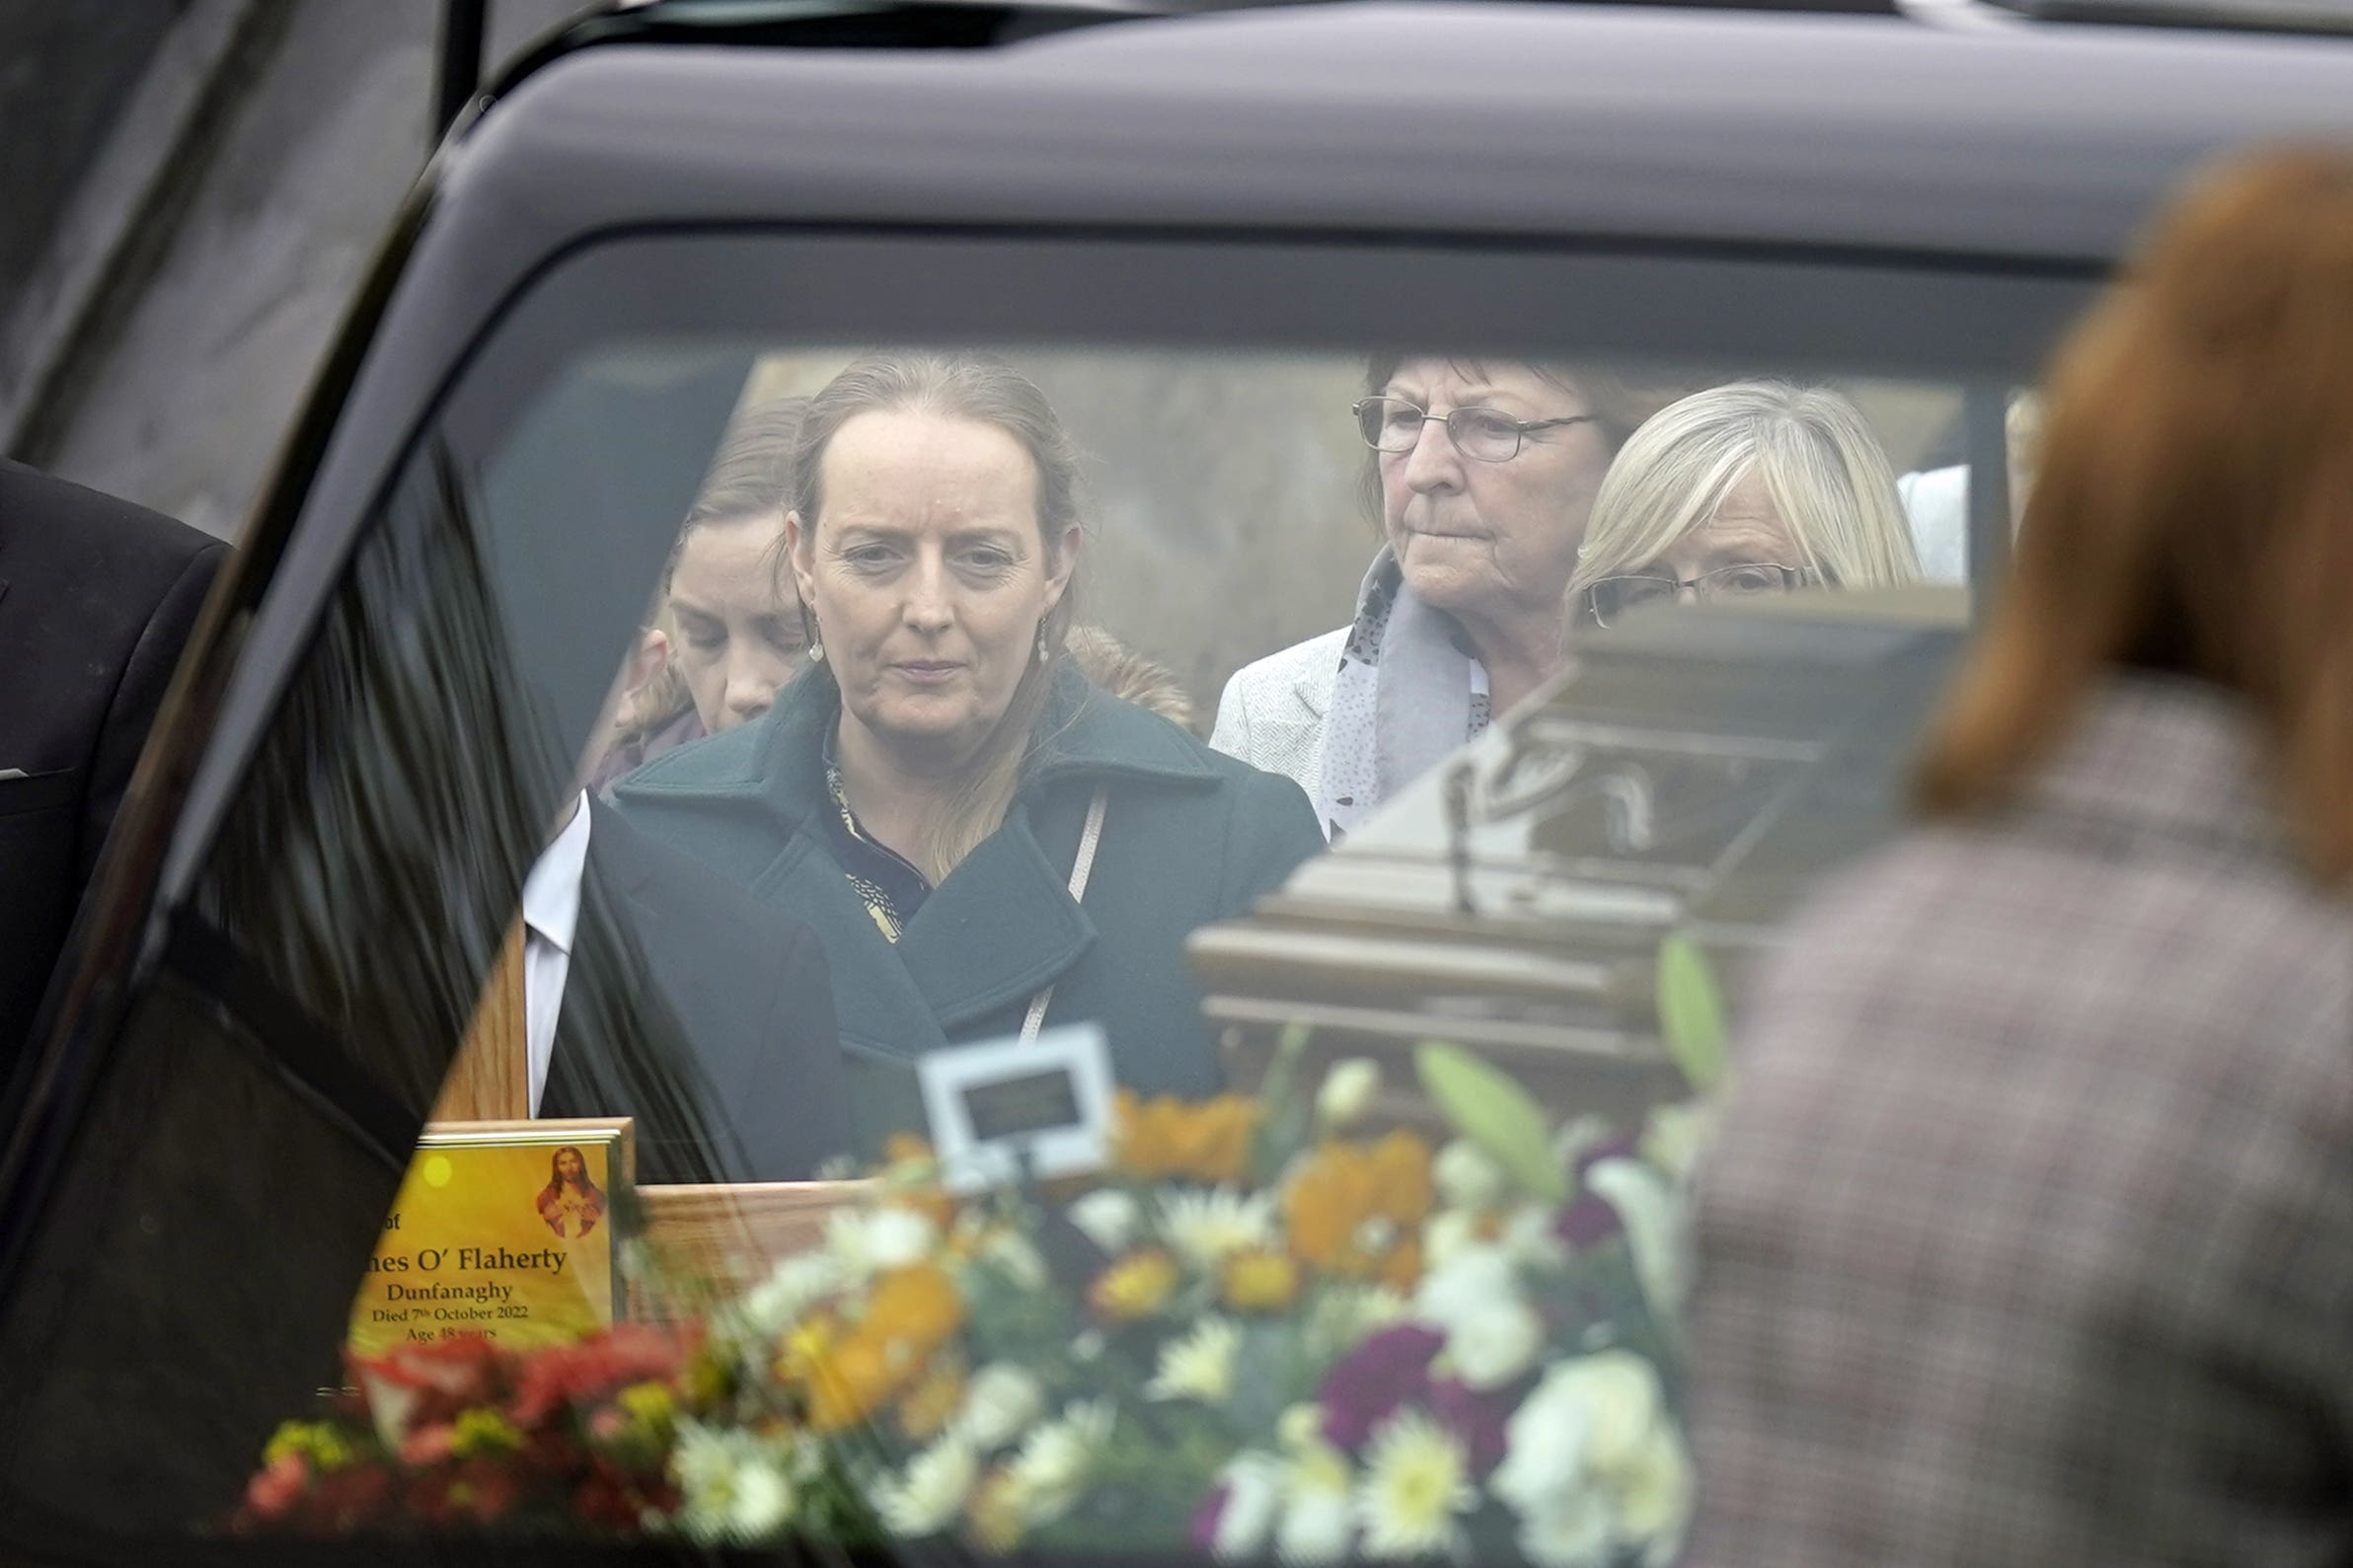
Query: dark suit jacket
[[700, 1011], [97, 597]]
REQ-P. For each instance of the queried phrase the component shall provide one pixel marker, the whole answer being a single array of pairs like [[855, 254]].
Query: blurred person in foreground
[[1757, 488], [727, 633], [986, 842], [1486, 471], [96, 598], [2029, 1239]]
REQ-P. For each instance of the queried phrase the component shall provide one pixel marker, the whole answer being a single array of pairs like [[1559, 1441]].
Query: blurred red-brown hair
[[2193, 512]]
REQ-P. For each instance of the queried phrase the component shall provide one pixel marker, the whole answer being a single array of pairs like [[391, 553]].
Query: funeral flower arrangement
[[1270, 1330]]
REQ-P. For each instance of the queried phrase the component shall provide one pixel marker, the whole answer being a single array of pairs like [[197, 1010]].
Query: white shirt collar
[[552, 892]]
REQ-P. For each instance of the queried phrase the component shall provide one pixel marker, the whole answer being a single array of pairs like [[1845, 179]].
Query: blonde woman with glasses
[[1757, 488]]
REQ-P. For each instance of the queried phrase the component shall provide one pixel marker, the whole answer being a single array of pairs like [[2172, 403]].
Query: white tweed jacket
[[1271, 712]]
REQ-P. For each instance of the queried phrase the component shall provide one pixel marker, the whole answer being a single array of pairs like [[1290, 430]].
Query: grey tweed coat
[[2028, 1240]]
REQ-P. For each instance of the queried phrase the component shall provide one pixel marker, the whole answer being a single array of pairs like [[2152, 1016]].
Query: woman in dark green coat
[[930, 793]]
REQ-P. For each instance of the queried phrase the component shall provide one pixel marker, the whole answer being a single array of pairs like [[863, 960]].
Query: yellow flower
[[995, 1513], [1260, 1280], [650, 1404], [1136, 1286], [1165, 1138], [707, 1380], [482, 1431], [315, 1441]]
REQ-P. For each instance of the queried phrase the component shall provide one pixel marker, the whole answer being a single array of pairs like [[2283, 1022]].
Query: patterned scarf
[[1407, 696]]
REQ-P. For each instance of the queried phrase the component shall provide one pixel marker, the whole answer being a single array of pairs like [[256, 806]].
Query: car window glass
[[1161, 914]]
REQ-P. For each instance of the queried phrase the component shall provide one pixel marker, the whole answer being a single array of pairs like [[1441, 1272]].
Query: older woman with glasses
[[1485, 471], [1757, 488]]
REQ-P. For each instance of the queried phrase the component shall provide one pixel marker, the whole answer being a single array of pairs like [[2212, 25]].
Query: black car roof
[[1872, 132]]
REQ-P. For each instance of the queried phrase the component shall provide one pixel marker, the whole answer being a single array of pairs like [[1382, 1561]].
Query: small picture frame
[[1003, 1112]]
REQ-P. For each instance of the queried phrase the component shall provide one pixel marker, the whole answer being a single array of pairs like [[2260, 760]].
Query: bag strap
[[1089, 837]]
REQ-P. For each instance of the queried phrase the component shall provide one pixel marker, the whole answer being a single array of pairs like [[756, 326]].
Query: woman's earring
[[1041, 641], [816, 651]]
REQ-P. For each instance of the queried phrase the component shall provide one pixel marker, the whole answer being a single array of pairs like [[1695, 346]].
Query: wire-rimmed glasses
[[1612, 598], [1488, 435]]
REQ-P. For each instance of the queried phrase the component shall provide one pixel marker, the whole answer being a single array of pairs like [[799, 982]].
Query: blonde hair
[[2193, 509], [1819, 462], [1131, 676]]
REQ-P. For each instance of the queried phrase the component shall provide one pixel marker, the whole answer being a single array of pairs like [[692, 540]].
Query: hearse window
[[1076, 942]]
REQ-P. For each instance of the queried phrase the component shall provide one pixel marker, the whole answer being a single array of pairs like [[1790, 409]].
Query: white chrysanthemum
[[931, 1495], [1446, 1236], [1416, 1487], [771, 1307], [1319, 1522], [1200, 1365], [1254, 1487], [1595, 1434], [1655, 1494], [1467, 1176], [731, 1486], [1494, 1344], [1316, 1529], [1344, 1316], [1209, 1226], [1017, 1257], [870, 1242], [1000, 1402], [1108, 1217], [1527, 1237], [1050, 1473], [1656, 1229], [1299, 1426], [1473, 1279], [1574, 1533], [1349, 1092]]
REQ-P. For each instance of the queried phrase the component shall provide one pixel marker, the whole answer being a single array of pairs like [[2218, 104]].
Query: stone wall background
[[203, 188]]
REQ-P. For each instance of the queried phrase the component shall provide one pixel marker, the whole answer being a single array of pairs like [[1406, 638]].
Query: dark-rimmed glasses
[[1612, 598], [1489, 435]]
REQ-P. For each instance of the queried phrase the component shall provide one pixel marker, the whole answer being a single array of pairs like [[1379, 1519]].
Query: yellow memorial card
[[502, 1228]]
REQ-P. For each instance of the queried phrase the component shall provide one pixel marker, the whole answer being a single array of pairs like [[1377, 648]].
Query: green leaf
[[1488, 1107], [1690, 1012], [1283, 1128]]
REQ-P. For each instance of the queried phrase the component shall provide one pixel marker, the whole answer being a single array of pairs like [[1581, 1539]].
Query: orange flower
[[1208, 1142], [1401, 1271], [1353, 1205], [848, 1381], [917, 1308], [1260, 1281], [906, 1149], [933, 1203], [1135, 1287], [934, 1401]]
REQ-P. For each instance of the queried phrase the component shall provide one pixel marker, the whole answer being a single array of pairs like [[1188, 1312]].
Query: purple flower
[[1589, 1220], [1479, 1419], [1203, 1529], [1389, 1370]]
